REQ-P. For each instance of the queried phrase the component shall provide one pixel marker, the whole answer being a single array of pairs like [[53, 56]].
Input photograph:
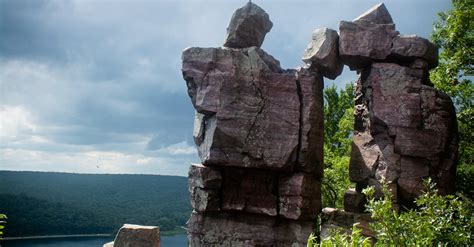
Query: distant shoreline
[[59, 236]]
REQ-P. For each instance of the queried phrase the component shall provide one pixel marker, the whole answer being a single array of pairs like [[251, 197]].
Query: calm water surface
[[166, 241]]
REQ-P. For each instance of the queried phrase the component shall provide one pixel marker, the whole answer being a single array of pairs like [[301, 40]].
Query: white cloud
[[91, 162], [15, 124], [180, 148]]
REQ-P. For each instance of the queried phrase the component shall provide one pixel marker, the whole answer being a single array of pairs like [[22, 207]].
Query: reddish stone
[[362, 42], [310, 157], [250, 191], [248, 27]]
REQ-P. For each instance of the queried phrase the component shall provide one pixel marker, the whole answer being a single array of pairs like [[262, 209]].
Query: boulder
[[339, 220], [137, 236], [361, 43], [248, 27], [354, 201], [411, 47], [377, 14], [322, 53]]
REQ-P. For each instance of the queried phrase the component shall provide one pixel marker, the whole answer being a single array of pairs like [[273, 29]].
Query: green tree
[[338, 125], [438, 221], [454, 34]]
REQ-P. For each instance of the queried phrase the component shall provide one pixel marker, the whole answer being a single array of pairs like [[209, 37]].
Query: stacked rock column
[[259, 133], [405, 130]]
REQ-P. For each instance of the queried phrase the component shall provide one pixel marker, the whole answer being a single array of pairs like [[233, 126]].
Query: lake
[[171, 241]]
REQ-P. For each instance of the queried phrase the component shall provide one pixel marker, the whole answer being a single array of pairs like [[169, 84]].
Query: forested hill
[[44, 203]]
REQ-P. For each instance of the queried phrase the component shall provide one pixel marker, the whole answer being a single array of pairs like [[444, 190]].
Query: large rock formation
[[259, 129], [259, 133], [405, 130]]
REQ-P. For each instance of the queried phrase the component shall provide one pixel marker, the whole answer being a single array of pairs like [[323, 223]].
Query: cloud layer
[[95, 86]]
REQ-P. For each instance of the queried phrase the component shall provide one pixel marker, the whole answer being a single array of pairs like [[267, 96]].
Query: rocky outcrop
[[136, 236], [248, 27], [259, 133], [259, 129], [323, 53], [404, 130]]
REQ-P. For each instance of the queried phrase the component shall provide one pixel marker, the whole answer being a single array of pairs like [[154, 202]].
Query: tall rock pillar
[[259, 133], [405, 130]]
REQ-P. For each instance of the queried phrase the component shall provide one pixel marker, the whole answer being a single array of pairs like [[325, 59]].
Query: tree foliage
[[338, 125], [3, 218], [454, 34], [438, 221], [40, 203]]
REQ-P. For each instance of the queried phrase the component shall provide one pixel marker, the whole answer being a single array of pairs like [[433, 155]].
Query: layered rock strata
[[259, 133]]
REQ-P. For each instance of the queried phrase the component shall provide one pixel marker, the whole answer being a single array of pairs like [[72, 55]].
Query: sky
[[95, 86]]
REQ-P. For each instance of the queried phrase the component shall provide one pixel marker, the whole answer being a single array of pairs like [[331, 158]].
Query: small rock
[[354, 201], [377, 14], [248, 27], [323, 53], [137, 236]]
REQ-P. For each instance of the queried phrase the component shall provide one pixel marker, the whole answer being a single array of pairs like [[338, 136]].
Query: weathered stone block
[[354, 201], [395, 95], [322, 53], [234, 229], [248, 27], [204, 177], [299, 196], [137, 236], [310, 89], [205, 200], [363, 42], [251, 120], [204, 185], [364, 157], [411, 47], [336, 219], [250, 191], [419, 143], [377, 14]]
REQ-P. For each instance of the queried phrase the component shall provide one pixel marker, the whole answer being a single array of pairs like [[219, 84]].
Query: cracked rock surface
[[259, 133]]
